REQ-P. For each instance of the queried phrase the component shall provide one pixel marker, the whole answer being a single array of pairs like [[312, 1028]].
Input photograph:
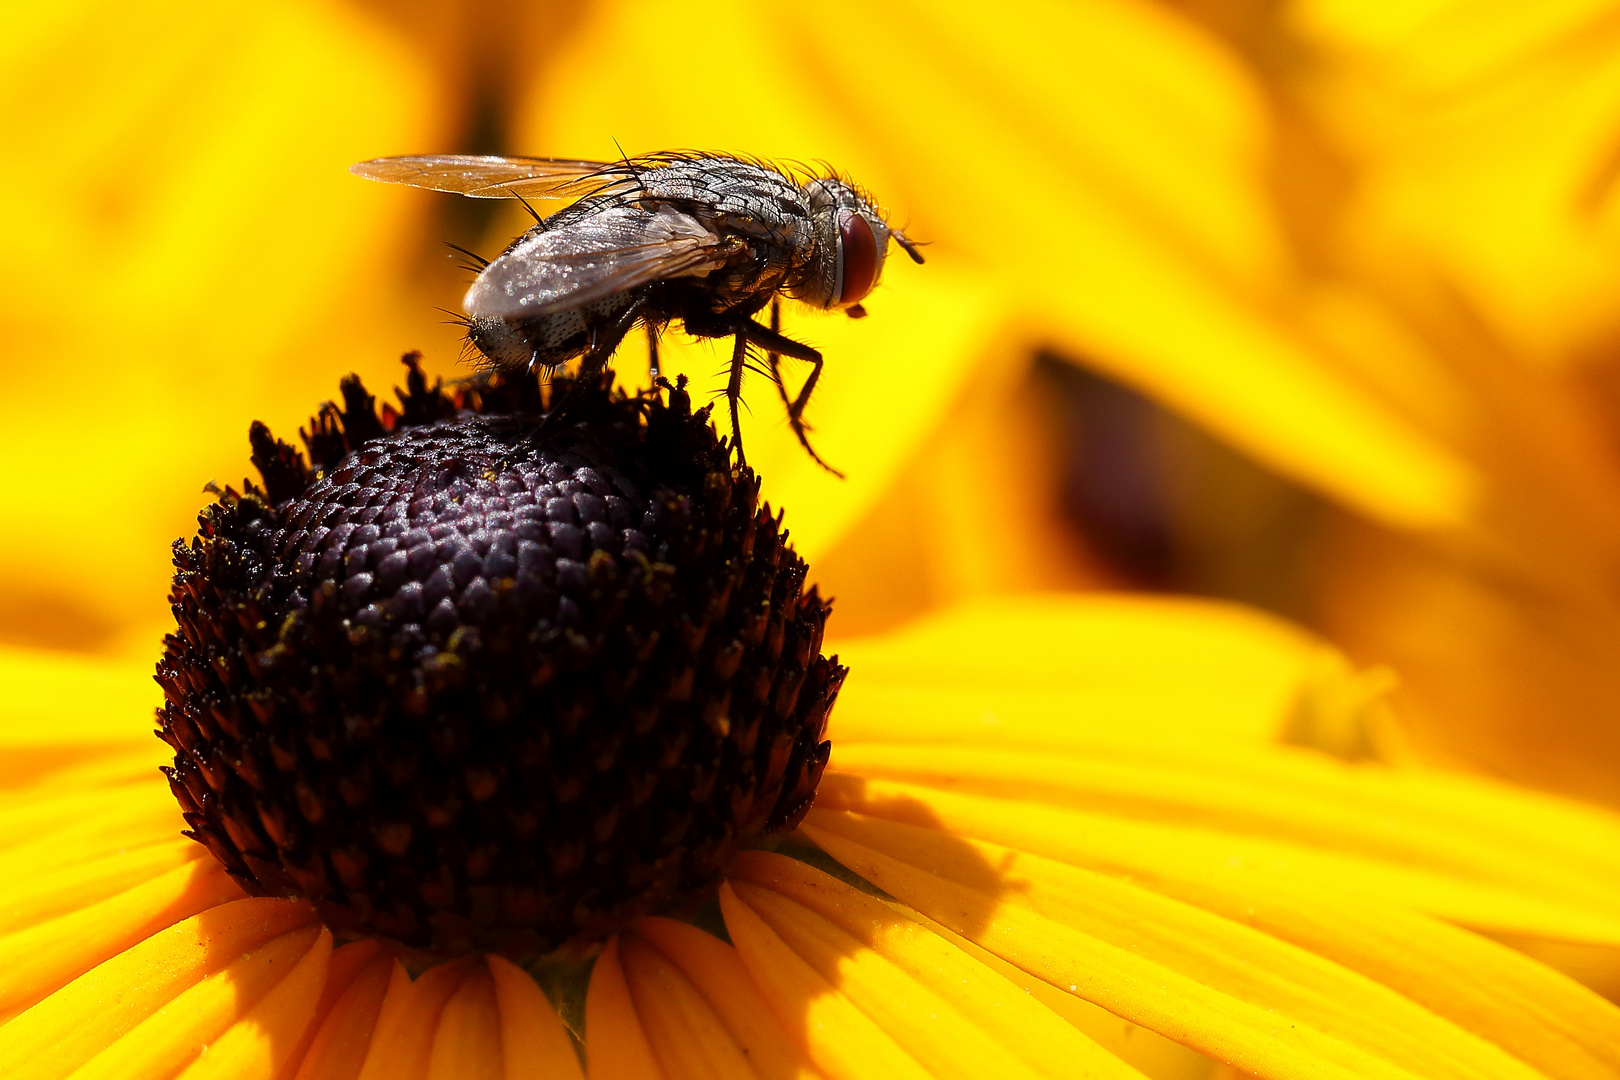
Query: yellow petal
[[1489, 894], [1540, 1016], [467, 1043], [26, 903], [39, 960], [1466, 113], [686, 1036], [943, 1040], [1343, 913], [75, 1023], [1407, 816], [616, 1047], [842, 1041], [1122, 272], [1225, 990], [343, 1038], [110, 701], [1474, 828], [269, 1034], [1147, 1051], [31, 772], [977, 996], [402, 1040], [1057, 670], [533, 1038], [1456, 40], [347, 965], [1236, 372], [43, 829], [1177, 101], [715, 970], [183, 1028]]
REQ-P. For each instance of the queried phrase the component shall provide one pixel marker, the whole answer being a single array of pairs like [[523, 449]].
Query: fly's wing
[[617, 249], [489, 177]]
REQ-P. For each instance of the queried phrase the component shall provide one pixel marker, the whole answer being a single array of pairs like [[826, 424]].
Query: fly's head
[[851, 241]]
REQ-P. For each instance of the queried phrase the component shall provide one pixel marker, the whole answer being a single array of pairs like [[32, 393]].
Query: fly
[[708, 239]]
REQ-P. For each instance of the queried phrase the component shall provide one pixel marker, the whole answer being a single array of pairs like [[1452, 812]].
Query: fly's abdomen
[[545, 341]]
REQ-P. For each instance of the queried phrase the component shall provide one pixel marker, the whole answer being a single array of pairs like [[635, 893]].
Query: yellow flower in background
[[1467, 262], [184, 243], [1057, 836]]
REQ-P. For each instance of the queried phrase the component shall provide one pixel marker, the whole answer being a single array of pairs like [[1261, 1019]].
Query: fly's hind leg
[[795, 406], [653, 370]]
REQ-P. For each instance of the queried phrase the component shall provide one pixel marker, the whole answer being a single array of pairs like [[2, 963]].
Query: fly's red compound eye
[[860, 254]]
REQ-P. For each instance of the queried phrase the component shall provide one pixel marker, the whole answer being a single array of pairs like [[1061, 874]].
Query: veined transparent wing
[[493, 177], [620, 248]]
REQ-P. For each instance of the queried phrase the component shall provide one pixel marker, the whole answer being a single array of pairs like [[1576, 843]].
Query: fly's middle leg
[[653, 370]]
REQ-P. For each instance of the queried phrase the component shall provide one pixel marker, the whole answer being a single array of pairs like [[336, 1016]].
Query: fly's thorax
[[728, 188], [850, 242], [740, 199]]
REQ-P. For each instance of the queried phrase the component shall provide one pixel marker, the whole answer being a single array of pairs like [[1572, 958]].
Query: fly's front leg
[[739, 356], [795, 407], [796, 411]]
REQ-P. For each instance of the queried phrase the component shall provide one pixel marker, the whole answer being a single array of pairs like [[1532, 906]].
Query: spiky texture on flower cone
[[484, 675]]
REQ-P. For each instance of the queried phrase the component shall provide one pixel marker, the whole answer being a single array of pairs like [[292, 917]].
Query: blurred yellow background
[[1305, 304]]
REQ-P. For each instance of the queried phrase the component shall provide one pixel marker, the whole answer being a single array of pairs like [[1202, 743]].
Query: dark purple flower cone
[[468, 680]]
